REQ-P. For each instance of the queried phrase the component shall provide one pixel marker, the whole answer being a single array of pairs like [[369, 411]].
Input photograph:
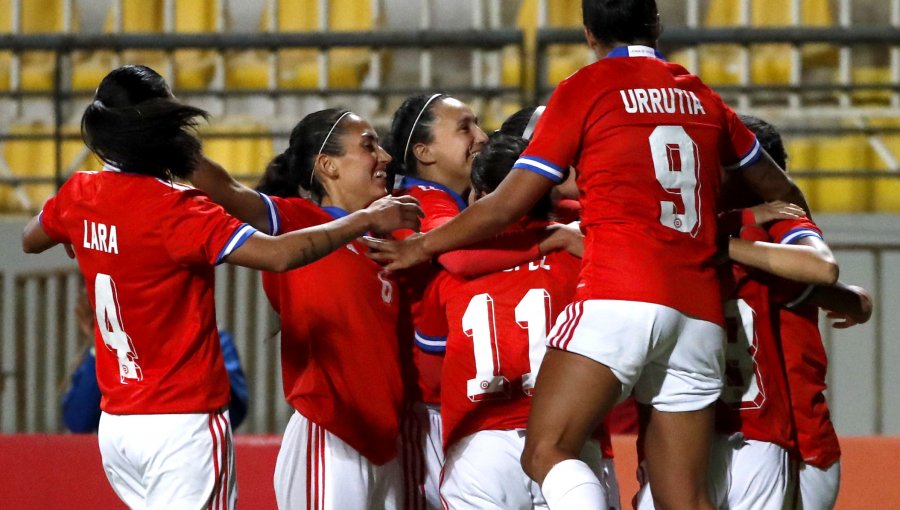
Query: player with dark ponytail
[[340, 354], [649, 141], [147, 248]]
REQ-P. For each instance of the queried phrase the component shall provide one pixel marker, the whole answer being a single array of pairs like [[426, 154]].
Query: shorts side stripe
[[564, 327], [309, 471], [571, 333], [215, 456]]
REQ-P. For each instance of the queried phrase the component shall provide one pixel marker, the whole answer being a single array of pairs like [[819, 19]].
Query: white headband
[[532, 122], [411, 131], [322, 148]]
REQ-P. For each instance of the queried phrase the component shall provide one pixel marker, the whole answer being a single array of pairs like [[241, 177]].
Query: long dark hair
[[294, 168], [494, 163], [622, 21], [137, 125], [412, 124]]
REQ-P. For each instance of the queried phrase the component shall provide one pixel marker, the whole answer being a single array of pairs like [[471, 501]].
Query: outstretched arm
[[515, 196], [301, 247], [240, 201]]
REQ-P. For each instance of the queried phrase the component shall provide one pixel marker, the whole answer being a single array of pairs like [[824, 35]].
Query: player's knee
[[539, 456]]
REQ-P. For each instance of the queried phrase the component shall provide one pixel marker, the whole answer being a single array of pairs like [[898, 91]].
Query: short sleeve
[[739, 146], [290, 214], [559, 132], [791, 231], [199, 231], [431, 328], [50, 219]]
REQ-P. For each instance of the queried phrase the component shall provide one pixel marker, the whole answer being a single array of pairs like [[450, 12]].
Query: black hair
[[494, 163], [769, 138], [294, 168], [622, 21], [516, 123], [137, 125], [404, 135]]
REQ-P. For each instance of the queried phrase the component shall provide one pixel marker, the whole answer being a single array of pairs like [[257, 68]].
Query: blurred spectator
[[81, 401]]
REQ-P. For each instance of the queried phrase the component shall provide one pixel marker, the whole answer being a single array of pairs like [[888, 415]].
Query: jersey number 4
[[109, 322], [675, 161], [532, 314]]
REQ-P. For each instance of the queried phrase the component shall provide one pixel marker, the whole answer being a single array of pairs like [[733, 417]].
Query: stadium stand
[[853, 82]]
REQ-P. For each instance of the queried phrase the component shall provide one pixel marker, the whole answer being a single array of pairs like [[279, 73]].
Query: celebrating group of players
[[474, 369]]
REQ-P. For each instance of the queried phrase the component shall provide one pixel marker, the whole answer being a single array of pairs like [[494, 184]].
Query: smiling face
[[456, 140], [358, 177]]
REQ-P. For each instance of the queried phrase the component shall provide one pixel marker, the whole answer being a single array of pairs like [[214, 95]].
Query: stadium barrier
[[64, 471]]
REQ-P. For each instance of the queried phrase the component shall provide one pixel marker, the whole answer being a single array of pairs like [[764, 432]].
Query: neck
[[337, 200], [601, 50], [434, 174]]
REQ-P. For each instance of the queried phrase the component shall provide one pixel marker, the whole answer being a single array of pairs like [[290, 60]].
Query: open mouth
[[380, 174]]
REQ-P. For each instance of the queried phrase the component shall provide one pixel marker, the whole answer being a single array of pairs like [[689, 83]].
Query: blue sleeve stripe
[[238, 238], [751, 157], [541, 167], [432, 344], [41, 219], [272, 212], [795, 235]]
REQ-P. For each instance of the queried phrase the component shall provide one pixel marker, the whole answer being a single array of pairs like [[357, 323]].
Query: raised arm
[[771, 183], [848, 305], [301, 247], [240, 201]]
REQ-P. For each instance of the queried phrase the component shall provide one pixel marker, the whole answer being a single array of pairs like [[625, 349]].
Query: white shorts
[[316, 469], [422, 455], [169, 461], [818, 487], [748, 474], [483, 472], [671, 361]]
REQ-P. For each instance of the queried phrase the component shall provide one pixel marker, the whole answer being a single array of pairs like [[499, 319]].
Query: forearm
[[34, 239], [498, 253], [800, 263], [841, 298], [301, 247]]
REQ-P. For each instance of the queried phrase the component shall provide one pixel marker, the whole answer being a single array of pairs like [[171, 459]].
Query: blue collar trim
[[409, 182], [335, 212], [635, 51]]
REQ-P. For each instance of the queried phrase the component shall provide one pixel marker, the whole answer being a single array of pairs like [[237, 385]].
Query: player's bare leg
[[572, 395], [676, 447]]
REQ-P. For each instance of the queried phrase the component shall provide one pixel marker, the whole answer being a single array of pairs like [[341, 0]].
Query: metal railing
[[40, 345]]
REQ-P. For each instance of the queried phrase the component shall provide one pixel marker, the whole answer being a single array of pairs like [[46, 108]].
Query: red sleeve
[[431, 319], [290, 214], [198, 231], [791, 231], [51, 219], [739, 147], [501, 252], [560, 130]]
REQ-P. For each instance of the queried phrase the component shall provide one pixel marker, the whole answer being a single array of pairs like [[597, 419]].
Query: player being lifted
[[648, 141], [496, 327], [140, 240], [339, 348]]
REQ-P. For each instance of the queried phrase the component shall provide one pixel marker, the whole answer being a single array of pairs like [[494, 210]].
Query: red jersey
[[339, 350], [139, 242], [807, 363], [648, 141], [495, 328], [755, 399]]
